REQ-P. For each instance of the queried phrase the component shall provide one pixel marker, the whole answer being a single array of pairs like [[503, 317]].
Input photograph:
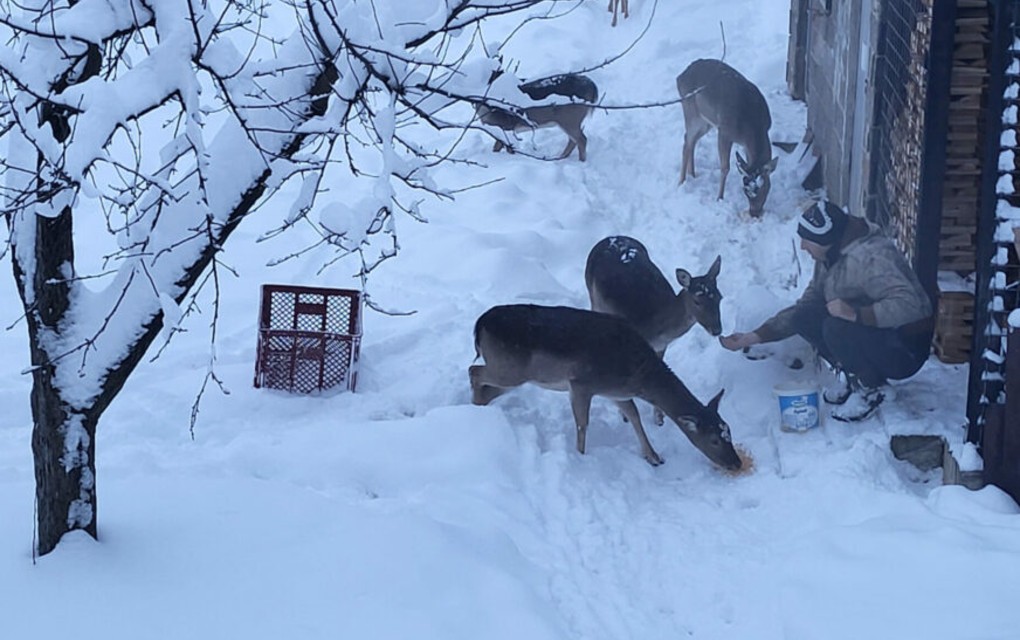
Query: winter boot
[[840, 389], [861, 403]]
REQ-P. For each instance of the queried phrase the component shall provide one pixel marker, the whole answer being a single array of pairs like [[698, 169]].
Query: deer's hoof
[[654, 459]]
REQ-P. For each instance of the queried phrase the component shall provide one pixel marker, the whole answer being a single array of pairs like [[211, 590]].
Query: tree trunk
[[64, 446], [63, 439]]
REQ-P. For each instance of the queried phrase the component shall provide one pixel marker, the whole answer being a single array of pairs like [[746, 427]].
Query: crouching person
[[865, 311]]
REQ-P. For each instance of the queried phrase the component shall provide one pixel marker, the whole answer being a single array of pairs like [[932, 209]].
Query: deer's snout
[[712, 325], [716, 446], [757, 188]]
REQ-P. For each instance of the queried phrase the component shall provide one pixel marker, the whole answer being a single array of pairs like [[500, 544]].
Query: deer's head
[[757, 182], [703, 296], [711, 435]]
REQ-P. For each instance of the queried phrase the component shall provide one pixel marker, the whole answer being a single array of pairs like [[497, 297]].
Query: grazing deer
[[714, 94], [591, 354], [623, 281], [615, 6], [568, 116]]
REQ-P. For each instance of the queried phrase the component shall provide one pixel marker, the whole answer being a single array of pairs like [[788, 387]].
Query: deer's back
[[623, 280], [580, 89], [569, 85], [725, 97], [550, 344]]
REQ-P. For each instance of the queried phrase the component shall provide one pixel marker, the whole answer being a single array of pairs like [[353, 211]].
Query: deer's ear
[[713, 271], [770, 166], [713, 404], [741, 163], [683, 277]]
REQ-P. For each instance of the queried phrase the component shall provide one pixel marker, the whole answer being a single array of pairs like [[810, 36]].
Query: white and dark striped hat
[[822, 223]]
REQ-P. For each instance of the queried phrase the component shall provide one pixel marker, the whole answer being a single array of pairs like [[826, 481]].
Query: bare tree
[[171, 122]]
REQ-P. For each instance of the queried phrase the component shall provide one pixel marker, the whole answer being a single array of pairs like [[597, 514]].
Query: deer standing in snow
[[569, 117], [589, 354], [615, 6], [714, 94]]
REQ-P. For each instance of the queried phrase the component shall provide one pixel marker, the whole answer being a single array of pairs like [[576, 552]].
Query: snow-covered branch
[[166, 124]]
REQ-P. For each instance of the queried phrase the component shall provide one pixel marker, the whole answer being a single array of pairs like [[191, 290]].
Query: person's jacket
[[867, 271]]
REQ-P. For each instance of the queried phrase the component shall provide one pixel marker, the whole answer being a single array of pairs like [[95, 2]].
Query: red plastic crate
[[309, 338]]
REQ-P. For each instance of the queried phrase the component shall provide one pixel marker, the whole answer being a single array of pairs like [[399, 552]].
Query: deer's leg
[[580, 403], [725, 147], [629, 409], [575, 139], [482, 391], [567, 150], [657, 415], [694, 130], [623, 5], [686, 159]]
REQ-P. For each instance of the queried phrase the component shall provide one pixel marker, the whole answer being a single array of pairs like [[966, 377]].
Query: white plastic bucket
[[798, 406]]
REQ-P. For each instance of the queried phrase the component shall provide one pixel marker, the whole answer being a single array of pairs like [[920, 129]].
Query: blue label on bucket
[[799, 412]]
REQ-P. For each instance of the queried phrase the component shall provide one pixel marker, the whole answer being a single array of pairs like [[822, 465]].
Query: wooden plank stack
[[954, 326], [961, 192]]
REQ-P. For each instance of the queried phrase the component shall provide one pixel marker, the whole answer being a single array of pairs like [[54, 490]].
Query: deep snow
[[401, 511]]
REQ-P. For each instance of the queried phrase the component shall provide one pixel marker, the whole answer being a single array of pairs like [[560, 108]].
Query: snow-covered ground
[[402, 511]]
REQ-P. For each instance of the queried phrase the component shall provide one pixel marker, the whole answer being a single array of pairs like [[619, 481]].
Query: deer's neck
[[683, 311], [670, 321], [759, 147], [663, 389]]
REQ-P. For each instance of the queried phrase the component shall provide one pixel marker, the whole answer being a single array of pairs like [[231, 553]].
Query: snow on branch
[[168, 123]]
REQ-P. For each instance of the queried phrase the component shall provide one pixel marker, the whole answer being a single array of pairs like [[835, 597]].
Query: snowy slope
[[402, 511]]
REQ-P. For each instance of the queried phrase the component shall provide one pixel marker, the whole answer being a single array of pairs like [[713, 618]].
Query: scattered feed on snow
[[746, 463]]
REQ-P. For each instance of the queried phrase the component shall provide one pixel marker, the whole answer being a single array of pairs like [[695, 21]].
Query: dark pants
[[872, 354]]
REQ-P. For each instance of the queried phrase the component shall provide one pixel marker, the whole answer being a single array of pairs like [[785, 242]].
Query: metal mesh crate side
[[309, 338], [311, 309], [306, 361]]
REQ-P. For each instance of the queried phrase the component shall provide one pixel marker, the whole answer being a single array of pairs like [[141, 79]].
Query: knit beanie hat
[[822, 223]]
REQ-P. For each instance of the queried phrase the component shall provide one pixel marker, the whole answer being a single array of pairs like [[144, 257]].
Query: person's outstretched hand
[[737, 341]]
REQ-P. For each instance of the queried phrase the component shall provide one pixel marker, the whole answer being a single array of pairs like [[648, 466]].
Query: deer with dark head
[[579, 95], [714, 94], [623, 281], [589, 354]]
